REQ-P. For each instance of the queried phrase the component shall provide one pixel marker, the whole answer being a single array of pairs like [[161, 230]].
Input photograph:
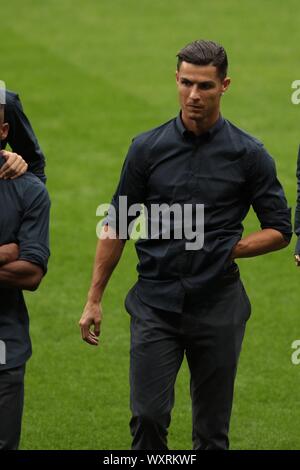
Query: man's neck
[[199, 127]]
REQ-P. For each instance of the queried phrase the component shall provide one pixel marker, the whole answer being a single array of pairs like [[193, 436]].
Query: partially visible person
[[26, 152], [24, 253], [297, 214]]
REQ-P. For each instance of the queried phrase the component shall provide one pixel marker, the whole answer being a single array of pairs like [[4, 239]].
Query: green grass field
[[92, 75]]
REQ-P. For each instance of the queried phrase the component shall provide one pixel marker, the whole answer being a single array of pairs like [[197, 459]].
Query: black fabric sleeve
[[33, 235], [266, 193], [21, 136], [132, 186]]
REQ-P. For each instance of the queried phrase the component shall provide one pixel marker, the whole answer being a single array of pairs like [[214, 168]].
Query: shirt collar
[[207, 135]]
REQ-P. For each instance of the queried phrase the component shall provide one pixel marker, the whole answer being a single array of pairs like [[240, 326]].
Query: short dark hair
[[204, 52]]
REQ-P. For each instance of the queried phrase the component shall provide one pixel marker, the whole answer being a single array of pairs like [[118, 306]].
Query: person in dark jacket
[[26, 153]]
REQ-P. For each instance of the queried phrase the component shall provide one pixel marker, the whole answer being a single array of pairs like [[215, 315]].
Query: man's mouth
[[194, 106]]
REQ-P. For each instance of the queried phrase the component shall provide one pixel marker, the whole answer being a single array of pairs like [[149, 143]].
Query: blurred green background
[[91, 75]]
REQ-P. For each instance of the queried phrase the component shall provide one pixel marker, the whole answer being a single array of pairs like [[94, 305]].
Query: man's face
[[200, 89]]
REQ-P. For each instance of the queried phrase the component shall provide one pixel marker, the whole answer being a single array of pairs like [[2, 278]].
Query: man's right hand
[[297, 260], [14, 166], [8, 253], [108, 253], [90, 323]]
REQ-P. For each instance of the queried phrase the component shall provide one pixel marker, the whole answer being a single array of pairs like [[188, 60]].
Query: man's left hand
[[14, 166]]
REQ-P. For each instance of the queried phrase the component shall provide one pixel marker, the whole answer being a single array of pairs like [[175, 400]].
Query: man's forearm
[[108, 253], [21, 274], [259, 243], [8, 253], [4, 257]]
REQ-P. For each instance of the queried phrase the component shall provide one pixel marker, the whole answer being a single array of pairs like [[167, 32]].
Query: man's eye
[[185, 83], [205, 86]]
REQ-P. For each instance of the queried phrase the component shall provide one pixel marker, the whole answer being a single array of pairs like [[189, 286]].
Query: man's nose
[[194, 93]]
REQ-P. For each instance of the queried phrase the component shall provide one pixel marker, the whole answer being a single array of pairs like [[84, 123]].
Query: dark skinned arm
[[21, 274], [8, 253]]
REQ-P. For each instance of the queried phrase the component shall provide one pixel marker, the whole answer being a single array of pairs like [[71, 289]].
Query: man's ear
[[4, 128], [225, 84]]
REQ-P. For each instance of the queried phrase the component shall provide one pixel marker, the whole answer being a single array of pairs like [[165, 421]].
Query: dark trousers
[[11, 407], [209, 333]]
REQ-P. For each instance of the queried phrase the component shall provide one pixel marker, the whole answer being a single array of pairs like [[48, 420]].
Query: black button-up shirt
[[24, 219], [225, 169], [21, 137]]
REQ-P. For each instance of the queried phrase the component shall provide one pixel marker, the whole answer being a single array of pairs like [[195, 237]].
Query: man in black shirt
[[26, 152], [24, 252], [189, 300]]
